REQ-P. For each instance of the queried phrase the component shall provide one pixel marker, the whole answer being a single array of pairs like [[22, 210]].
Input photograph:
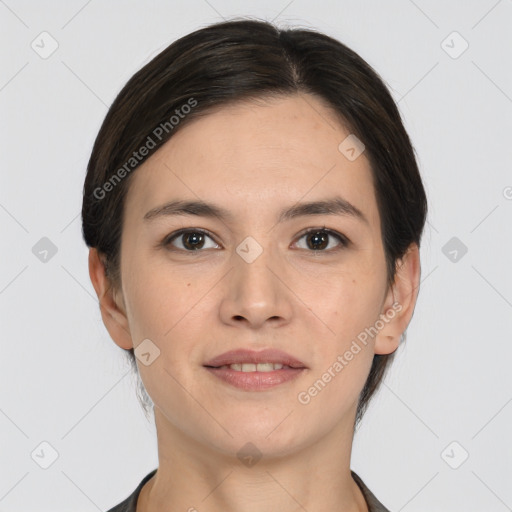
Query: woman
[[253, 209]]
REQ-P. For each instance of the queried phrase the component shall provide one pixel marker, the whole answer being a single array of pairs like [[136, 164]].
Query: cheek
[[157, 296], [344, 302], [345, 355], [161, 309]]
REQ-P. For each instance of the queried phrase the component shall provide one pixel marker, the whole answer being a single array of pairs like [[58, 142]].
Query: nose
[[256, 290]]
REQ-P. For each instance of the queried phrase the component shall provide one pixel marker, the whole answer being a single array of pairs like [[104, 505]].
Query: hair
[[246, 60]]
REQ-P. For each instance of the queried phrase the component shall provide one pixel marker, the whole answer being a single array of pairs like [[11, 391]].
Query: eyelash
[[166, 242]]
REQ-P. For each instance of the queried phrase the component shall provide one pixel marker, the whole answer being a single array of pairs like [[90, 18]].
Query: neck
[[193, 477]]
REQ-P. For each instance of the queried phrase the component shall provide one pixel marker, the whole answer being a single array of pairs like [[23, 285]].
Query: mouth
[[252, 367], [255, 371]]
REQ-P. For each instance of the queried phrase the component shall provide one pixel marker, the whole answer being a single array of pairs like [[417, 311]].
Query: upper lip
[[269, 355]]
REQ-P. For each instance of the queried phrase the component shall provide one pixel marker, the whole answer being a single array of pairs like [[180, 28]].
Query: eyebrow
[[334, 206]]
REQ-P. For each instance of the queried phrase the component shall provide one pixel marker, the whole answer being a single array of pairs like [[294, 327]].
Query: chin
[[269, 438]]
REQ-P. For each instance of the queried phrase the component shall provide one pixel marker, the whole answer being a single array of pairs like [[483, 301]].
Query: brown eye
[[319, 240], [191, 240]]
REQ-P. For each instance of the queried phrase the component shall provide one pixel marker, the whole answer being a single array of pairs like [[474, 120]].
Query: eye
[[191, 239], [317, 240]]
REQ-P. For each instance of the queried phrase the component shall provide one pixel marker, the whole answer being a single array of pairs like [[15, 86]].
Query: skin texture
[[254, 159]]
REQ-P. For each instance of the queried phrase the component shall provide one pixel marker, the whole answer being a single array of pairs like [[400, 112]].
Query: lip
[[255, 381], [270, 355]]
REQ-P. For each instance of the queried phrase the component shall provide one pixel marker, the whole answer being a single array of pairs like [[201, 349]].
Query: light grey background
[[64, 381]]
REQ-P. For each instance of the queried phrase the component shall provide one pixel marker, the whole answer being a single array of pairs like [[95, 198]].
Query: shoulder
[[130, 503], [374, 505]]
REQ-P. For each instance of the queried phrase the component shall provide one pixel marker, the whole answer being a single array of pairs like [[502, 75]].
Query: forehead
[[256, 155]]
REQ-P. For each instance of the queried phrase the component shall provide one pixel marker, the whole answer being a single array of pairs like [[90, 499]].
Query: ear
[[113, 314], [399, 302]]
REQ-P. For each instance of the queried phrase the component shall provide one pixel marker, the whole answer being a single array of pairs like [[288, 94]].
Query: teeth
[[251, 367]]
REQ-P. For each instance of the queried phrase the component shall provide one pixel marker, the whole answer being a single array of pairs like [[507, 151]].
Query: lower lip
[[255, 381]]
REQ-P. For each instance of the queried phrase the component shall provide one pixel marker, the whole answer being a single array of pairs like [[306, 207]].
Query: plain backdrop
[[438, 434]]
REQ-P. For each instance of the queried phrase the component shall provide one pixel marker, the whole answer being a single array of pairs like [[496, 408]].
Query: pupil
[[319, 237], [197, 239]]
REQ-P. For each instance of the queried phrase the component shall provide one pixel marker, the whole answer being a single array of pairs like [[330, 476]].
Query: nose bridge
[[252, 261]]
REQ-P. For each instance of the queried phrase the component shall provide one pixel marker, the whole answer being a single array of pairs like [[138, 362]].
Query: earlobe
[[113, 315], [400, 302]]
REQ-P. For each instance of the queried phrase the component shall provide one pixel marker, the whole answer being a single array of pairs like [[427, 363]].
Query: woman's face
[[256, 282]]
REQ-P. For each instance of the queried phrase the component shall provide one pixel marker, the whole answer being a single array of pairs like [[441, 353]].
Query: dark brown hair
[[236, 61]]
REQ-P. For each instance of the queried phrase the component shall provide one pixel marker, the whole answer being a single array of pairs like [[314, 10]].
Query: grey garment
[[130, 503], [374, 505]]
